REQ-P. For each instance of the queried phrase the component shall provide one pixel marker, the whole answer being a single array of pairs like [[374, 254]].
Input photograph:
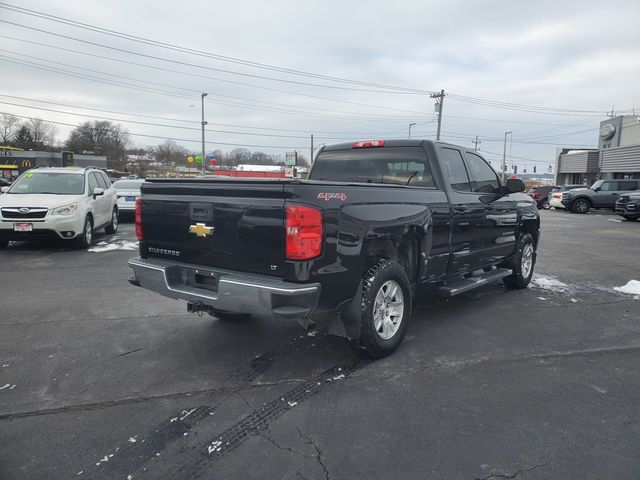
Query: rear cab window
[[386, 165]]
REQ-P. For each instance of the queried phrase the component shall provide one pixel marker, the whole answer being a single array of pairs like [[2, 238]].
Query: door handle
[[460, 208]]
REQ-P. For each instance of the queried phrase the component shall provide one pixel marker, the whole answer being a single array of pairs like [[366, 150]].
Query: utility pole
[[295, 169], [504, 157], [476, 142], [439, 97], [411, 125], [311, 157], [203, 124]]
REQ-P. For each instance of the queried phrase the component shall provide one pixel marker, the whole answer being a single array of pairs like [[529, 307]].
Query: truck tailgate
[[226, 224]]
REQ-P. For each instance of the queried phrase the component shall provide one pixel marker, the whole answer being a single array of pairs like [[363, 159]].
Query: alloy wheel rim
[[114, 220], [88, 233], [526, 262], [388, 309]]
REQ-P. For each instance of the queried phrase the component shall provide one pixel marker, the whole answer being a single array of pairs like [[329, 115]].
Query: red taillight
[[303, 232], [535, 195], [368, 144], [138, 213]]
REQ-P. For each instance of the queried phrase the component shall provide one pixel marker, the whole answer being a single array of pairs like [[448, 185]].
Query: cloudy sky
[[547, 71]]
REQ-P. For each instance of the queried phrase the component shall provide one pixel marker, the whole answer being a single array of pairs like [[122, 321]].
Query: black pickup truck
[[376, 225]]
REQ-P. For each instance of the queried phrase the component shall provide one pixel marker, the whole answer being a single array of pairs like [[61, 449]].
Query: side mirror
[[4, 189], [597, 189], [98, 191], [515, 185]]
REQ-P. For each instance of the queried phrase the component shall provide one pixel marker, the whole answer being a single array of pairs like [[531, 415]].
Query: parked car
[[555, 197], [4, 183], [66, 203], [376, 225], [127, 192], [628, 206], [602, 194], [541, 195]]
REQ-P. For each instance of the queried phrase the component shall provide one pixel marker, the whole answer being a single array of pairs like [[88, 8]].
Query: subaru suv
[[67, 203]]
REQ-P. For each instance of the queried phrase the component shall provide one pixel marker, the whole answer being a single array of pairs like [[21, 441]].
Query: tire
[[85, 239], [581, 205], [228, 316], [545, 204], [113, 225], [4, 244], [522, 263], [385, 283], [629, 218]]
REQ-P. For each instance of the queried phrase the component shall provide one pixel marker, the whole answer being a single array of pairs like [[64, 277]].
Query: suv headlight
[[65, 209]]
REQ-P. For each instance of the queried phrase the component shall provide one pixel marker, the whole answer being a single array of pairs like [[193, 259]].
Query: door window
[[609, 186], [627, 185], [455, 170], [107, 182], [101, 182], [483, 178]]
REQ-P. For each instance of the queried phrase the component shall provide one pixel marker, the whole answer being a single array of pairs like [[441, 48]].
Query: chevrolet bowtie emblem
[[200, 229]]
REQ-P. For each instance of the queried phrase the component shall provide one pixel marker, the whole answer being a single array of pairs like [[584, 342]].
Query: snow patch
[[541, 298], [614, 220], [185, 413], [292, 404], [133, 439], [632, 288], [116, 245], [215, 446], [548, 283]]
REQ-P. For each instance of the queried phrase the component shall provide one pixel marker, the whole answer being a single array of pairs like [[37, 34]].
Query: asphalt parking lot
[[100, 379]]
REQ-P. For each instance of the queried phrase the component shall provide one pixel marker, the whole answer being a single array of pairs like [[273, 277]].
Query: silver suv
[[68, 203], [602, 194]]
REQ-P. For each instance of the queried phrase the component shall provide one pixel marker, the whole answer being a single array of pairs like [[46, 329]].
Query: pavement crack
[[517, 473], [319, 456], [129, 352], [267, 434]]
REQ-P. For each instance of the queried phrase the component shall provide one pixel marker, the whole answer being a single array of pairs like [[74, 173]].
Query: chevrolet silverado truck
[[377, 225]]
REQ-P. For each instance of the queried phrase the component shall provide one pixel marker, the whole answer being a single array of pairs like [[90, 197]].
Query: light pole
[[411, 125], [203, 124], [504, 157]]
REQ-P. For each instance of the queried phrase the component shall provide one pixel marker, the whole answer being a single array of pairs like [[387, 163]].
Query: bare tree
[[8, 127], [170, 153], [102, 138], [43, 133]]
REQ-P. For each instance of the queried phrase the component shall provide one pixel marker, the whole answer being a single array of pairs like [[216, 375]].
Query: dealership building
[[617, 155]]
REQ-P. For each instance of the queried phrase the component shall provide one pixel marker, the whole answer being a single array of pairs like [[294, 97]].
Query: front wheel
[[113, 225], [522, 263], [545, 204], [629, 218], [386, 308], [86, 237], [581, 206]]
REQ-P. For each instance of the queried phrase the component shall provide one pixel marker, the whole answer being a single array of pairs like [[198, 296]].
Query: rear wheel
[[522, 263], [630, 218], [228, 316], [581, 206], [86, 237], [113, 226], [545, 204], [386, 308]]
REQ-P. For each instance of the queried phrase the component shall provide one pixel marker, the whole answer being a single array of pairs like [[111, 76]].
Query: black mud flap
[[349, 322]]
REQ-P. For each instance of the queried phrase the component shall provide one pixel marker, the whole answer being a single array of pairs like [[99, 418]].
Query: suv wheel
[[85, 239], [545, 204], [630, 218], [522, 263], [113, 226], [386, 308], [581, 206]]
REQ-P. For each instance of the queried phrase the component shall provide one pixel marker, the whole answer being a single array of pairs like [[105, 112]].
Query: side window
[[101, 182], [483, 177], [627, 185], [93, 183], [609, 186], [455, 170]]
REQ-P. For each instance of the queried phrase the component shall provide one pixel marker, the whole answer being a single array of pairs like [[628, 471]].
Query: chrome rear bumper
[[225, 290]]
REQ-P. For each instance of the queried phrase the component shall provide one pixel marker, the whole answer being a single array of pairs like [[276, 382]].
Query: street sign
[[290, 159]]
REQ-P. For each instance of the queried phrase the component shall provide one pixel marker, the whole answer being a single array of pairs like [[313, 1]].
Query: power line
[[191, 51]]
